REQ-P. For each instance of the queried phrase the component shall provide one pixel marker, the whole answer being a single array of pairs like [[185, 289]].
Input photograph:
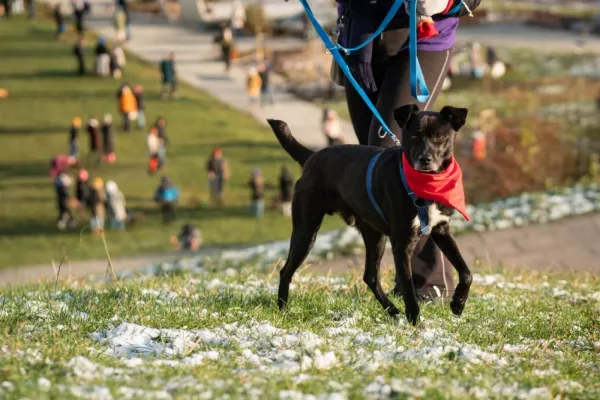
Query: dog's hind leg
[[375, 246], [307, 216], [403, 246], [443, 238]]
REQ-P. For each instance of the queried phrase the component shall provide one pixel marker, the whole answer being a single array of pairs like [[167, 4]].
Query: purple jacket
[[359, 25]]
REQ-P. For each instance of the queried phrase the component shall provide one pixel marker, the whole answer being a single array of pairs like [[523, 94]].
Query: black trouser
[[226, 52], [126, 121], [80, 65], [64, 212], [430, 267], [7, 8], [79, 23], [168, 211]]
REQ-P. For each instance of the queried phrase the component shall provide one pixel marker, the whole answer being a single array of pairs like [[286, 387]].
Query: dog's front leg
[[443, 238], [403, 246], [375, 247]]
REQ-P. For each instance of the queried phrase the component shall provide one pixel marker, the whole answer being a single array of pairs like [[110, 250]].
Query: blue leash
[[417, 80]]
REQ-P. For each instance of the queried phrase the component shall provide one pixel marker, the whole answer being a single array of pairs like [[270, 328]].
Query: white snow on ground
[[265, 347], [94, 392], [260, 348]]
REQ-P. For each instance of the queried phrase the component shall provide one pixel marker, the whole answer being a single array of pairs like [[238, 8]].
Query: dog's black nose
[[425, 160]]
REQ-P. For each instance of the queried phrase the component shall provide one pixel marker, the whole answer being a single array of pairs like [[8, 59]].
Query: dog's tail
[[287, 141]]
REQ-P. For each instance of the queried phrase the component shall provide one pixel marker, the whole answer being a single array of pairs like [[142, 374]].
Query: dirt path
[[571, 243]]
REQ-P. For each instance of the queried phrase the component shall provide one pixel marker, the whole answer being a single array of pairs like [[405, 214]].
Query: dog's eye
[[440, 138]]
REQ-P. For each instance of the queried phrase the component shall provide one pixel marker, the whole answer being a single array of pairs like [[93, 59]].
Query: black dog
[[333, 181]]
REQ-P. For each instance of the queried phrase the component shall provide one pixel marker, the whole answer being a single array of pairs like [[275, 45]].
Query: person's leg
[[81, 63], [125, 121], [61, 217], [171, 212], [70, 218], [164, 210], [395, 89], [430, 267], [260, 208], [163, 90], [220, 187], [141, 119], [360, 114]]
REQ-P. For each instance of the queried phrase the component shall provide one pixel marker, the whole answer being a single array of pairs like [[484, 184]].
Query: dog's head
[[428, 137]]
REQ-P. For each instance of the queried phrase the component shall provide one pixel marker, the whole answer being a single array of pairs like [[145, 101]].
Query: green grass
[[520, 336], [564, 11], [45, 95]]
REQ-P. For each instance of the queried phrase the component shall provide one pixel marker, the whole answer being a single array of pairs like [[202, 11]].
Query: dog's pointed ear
[[456, 116], [403, 114]]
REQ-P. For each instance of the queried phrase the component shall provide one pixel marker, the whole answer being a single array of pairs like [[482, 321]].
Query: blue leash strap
[[421, 205], [389, 16], [417, 80], [333, 48], [370, 186]]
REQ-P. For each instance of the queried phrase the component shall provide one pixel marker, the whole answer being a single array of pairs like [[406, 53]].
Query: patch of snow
[[324, 361], [135, 393], [88, 370], [44, 384], [91, 392]]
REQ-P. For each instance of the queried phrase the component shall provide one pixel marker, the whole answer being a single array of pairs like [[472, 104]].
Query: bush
[[256, 19], [525, 156]]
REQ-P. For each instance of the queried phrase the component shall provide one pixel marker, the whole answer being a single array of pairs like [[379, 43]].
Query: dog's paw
[[413, 319], [393, 312], [412, 315], [457, 305]]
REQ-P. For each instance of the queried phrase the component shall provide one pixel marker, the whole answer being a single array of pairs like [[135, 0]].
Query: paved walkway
[[198, 65], [571, 243]]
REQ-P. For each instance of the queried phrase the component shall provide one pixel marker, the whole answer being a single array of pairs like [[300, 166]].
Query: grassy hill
[[45, 94], [217, 333]]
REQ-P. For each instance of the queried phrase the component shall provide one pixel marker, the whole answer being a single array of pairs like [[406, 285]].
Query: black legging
[[392, 78]]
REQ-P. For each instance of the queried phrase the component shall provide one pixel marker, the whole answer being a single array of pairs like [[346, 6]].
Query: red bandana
[[445, 188]]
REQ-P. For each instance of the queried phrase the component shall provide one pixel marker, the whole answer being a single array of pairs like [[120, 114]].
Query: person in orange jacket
[[253, 85], [127, 105]]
